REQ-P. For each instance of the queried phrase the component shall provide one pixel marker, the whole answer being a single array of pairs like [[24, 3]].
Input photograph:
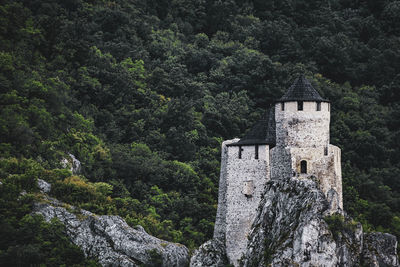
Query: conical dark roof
[[301, 90], [263, 132]]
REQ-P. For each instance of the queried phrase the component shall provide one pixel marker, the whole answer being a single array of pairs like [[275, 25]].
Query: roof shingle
[[263, 132], [301, 90]]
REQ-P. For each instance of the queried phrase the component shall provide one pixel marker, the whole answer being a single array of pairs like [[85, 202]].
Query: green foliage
[[75, 190], [338, 224], [34, 241], [27, 239], [155, 259]]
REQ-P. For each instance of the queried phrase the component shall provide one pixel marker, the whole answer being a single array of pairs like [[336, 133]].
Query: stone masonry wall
[[281, 163], [304, 135], [244, 183], [306, 128], [220, 220], [325, 169]]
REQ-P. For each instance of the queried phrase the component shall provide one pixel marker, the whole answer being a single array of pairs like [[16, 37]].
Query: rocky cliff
[[294, 227], [109, 239]]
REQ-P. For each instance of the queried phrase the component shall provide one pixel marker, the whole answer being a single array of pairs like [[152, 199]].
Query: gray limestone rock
[[76, 164], [44, 186], [73, 164], [380, 250], [349, 241], [291, 229], [110, 239], [210, 254]]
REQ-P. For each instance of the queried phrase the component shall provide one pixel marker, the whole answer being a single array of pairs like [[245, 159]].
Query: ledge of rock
[[110, 239], [210, 254], [380, 250]]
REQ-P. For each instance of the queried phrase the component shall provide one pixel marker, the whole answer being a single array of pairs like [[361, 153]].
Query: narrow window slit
[[318, 106], [256, 151], [299, 105], [240, 152]]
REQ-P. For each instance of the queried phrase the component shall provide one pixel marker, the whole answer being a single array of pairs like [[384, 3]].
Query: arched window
[[303, 166]]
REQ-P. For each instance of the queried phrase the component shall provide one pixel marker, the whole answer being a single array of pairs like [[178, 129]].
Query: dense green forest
[[143, 92]]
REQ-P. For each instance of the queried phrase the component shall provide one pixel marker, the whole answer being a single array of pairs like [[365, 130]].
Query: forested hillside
[[143, 92]]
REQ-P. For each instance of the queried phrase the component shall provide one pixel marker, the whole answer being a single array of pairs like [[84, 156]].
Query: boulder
[[44, 186], [380, 250], [210, 254]]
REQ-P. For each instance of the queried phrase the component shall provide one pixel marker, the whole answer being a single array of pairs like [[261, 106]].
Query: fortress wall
[[220, 220], [245, 181], [325, 168], [335, 179], [306, 128], [315, 158], [281, 163]]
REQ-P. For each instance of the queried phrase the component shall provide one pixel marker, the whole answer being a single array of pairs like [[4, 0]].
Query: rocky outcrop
[[73, 164], [289, 228], [293, 227], [44, 186], [210, 254], [380, 250], [111, 240]]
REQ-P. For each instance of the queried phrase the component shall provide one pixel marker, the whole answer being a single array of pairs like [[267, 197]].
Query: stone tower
[[245, 168], [292, 140], [302, 148]]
